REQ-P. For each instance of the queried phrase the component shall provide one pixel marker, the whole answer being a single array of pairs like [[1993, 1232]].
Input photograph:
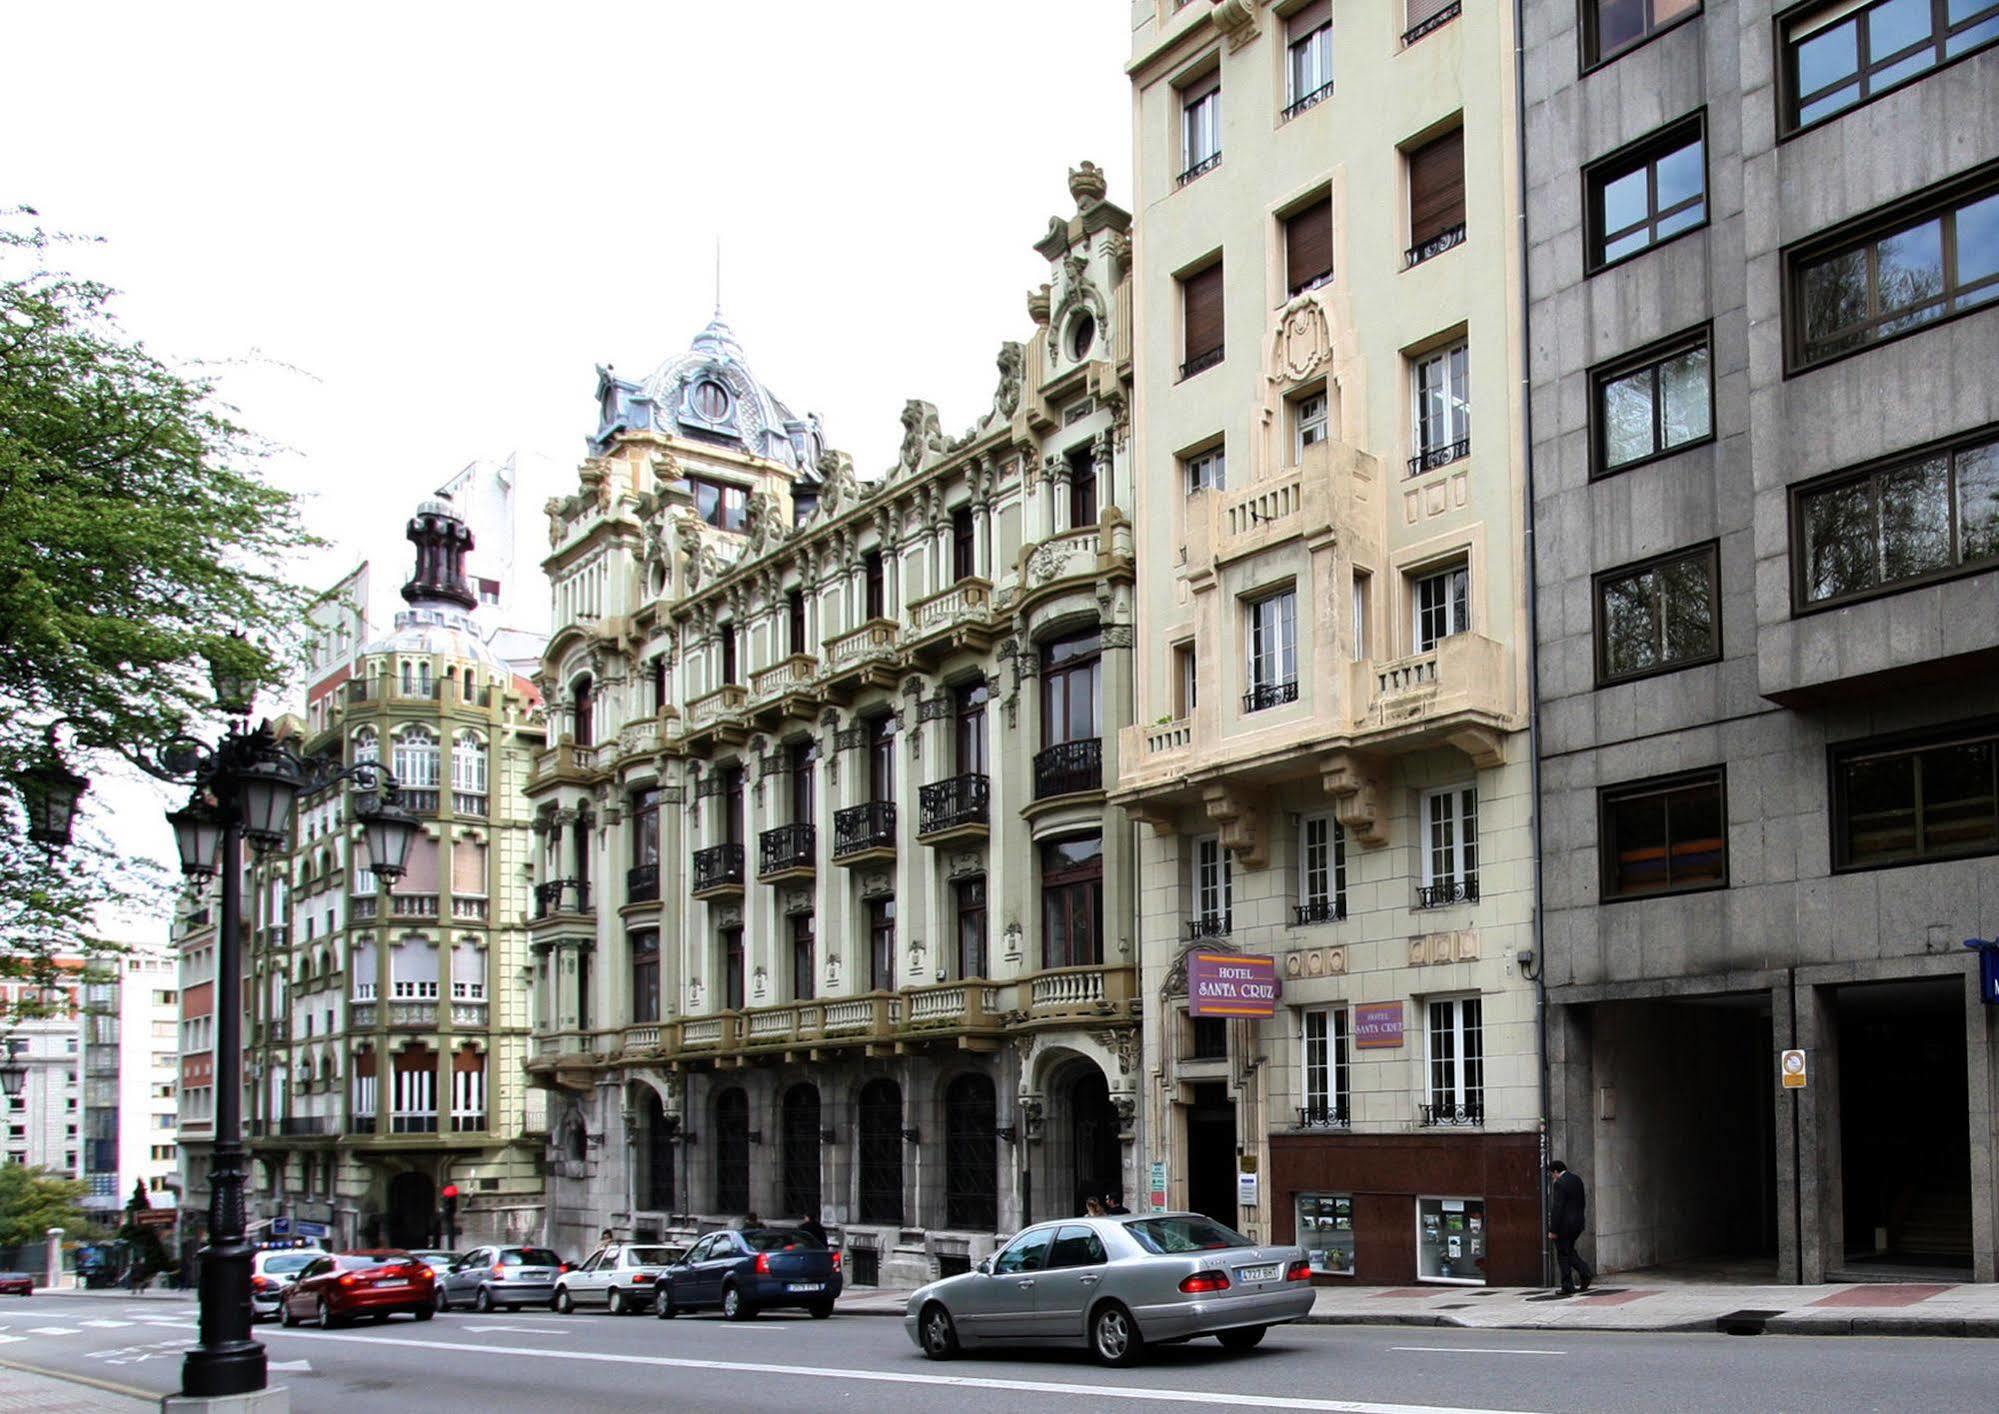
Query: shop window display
[[1450, 1240], [1325, 1231]]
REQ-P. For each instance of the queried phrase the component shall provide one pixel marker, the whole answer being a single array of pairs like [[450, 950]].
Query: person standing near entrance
[[1565, 1224]]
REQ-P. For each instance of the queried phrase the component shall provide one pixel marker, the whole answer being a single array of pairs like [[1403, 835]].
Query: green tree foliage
[[32, 1200], [143, 1240], [137, 531]]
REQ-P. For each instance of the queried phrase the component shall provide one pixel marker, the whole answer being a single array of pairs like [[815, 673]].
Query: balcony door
[[1070, 670], [1072, 902], [881, 759], [971, 727]]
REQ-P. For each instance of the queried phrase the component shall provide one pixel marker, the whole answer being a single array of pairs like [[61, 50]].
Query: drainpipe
[[1533, 633]]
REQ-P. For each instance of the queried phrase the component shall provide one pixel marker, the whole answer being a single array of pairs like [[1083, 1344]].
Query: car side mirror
[[985, 1266]]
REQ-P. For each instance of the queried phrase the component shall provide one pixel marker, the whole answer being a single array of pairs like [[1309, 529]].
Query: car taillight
[[1300, 1270], [261, 1283], [1201, 1282], [763, 1264], [565, 1267], [836, 1261], [499, 1272], [641, 1278], [348, 1279]]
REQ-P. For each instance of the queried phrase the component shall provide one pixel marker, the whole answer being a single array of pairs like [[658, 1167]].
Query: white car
[[622, 1278], [272, 1273]]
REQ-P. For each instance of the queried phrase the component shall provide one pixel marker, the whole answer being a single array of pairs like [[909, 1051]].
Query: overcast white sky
[[412, 230]]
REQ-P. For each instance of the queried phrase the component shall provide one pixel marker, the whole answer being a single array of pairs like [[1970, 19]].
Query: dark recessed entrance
[[1094, 1139], [1211, 1153], [412, 1210]]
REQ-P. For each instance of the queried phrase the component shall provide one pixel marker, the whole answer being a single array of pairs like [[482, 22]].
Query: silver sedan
[[1115, 1285]]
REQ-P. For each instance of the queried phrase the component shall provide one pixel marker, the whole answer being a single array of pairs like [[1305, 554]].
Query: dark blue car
[[742, 1273]]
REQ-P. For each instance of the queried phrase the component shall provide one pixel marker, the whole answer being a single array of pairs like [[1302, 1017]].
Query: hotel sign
[[1377, 1025], [1232, 984]]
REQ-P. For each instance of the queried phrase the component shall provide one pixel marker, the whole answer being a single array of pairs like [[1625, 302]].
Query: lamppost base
[[258, 1401], [232, 1369]]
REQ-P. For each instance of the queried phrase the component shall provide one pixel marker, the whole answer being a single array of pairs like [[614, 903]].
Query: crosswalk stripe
[[107, 1325], [51, 1330]]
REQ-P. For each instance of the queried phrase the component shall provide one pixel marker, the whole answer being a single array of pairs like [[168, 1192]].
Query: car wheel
[[326, 1318], [564, 1302], [734, 1306], [441, 1301], [483, 1302], [662, 1305], [820, 1310], [423, 1313], [615, 1302], [286, 1317], [1241, 1338], [1114, 1337], [940, 1336]]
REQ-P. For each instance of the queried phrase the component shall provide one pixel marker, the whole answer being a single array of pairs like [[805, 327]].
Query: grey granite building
[[1764, 326]]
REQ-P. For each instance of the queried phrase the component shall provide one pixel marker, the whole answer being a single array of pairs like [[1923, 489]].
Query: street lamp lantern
[[390, 831], [50, 791], [13, 1074], [267, 788], [198, 834], [235, 686]]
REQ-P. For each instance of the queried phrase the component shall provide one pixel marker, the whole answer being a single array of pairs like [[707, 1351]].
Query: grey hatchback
[[490, 1277]]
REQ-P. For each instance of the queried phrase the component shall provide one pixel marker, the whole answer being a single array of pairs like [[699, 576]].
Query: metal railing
[[1269, 694], [467, 802], [864, 827], [642, 883], [1445, 892], [305, 1126], [548, 897], [1421, 24], [1433, 457], [1324, 1114], [1069, 767], [1319, 910], [787, 847], [1199, 169], [360, 1124], [948, 804], [1432, 246], [1201, 362], [1310, 100], [1472, 1112], [418, 802], [413, 1124], [1209, 925], [718, 866]]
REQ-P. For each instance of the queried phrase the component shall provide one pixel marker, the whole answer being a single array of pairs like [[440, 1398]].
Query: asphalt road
[[541, 1362]]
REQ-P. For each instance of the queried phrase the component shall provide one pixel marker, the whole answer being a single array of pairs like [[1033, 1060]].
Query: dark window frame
[[1643, 153], [1799, 493], [732, 502], [1195, 361], [1590, 56], [964, 544], [645, 999], [1323, 197], [881, 922], [794, 615], [803, 932], [1788, 123], [1710, 551], [968, 900], [1610, 795], [874, 586], [734, 964], [1071, 891], [1841, 754], [1864, 232], [1652, 355]]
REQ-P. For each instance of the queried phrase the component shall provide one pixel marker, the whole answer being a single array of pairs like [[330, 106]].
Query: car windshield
[[777, 1239], [1161, 1236], [430, 1256], [361, 1261], [648, 1256], [290, 1262], [529, 1257]]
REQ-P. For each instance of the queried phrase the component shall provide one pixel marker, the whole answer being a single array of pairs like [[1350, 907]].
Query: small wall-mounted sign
[[1792, 1067], [1377, 1025]]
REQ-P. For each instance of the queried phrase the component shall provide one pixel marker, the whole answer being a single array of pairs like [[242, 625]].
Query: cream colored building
[[831, 914], [1332, 692]]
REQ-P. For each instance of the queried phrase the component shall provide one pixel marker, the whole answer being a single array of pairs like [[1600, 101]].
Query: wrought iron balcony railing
[[1319, 910], [1434, 1116], [1209, 925], [1433, 457], [947, 805], [787, 847], [1421, 24], [863, 827], [1446, 892], [717, 867], [1310, 100], [1269, 694], [305, 1126], [1069, 767], [549, 898], [1324, 1114], [1432, 246], [642, 883], [1200, 169], [1201, 362]]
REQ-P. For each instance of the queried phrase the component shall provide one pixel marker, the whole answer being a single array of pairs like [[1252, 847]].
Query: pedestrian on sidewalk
[[813, 1228], [1565, 1224]]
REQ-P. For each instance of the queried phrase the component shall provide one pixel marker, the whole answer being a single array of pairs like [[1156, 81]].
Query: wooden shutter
[[1202, 295], [1308, 244], [1297, 26], [1437, 186], [1197, 89], [468, 867]]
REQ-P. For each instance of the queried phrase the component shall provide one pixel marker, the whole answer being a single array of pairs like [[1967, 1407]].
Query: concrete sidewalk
[[1899, 1308], [31, 1392]]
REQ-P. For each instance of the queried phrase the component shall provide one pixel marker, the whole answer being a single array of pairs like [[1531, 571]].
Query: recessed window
[[881, 944], [722, 505], [1201, 313], [1308, 246], [1648, 193], [1456, 1045], [1322, 870], [1186, 680], [1443, 606], [874, 585], [1363, 594], [1201, 126], [1082, 335], [1658, 616], [1214, 889], [1612, 26], [1436, 196], [1308, 423], [1905, 273], [1916, 799], [711, 400], [964, 544], [1449, 848], [1082, 486], [1308, 57], [1653, 403], [1664, 836], [1880, 529], [1273, 651], [1441, 400], [1206, 471], [1845, 53]]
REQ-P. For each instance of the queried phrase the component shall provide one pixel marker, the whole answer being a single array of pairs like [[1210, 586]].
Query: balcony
[[788, 687], [413, 905], [954, 618], [1203, 361], [954, 1007], [1311, 100], [1199, 169], [787, 852], [1319, 910], [718, 716], [306, 1127], [718, 871], [1430, 247], [642, 883], [419, 801], [953, 809], [466, 802], [864, 833], [364, 905], [1431, 458], [565, 762], [1095, 990], [560, 896], [1451, 1116], [1266, 695], [1324, 1115], [1446, 892], [1426, 17], [470, 908], [864, 656], [1069, 768], [413, 1016], [1460, 693], [1209, 925]]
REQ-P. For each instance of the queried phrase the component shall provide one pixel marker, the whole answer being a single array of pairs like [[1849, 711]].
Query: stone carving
[[1116, 635], [1120, 1042], [877, 885], [1087, 185], [1355, 784], [1237, 20], [1303, 341], [838, 488], [921, 435], [1030, 1117], [1240, 816], [764, 527], [966, 863], [1012, 369], [1010, 942], [1127, 1115], [934, 709], [1038, 304]]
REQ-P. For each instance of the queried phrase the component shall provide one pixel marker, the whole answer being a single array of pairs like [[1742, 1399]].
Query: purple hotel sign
[[1377, 1024], [1232, 984]]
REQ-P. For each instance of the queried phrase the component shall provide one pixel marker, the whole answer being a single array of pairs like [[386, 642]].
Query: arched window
[[801, 1151], [732, 1151], [583, 732], [468, 1090], [881, 1152], [971, 1154], [468, 763], [367, 746], [416, 763]]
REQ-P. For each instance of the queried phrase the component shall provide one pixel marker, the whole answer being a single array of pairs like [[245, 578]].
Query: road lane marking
[[1230, 1398], [107, 1325], [11, 1339], [51, 1330], [1473, 1350], [529, 1330]]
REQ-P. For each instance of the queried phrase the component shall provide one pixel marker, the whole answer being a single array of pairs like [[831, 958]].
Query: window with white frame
[[1322, 870], [468, 763], [367, 1090], [1214, 888], [1328, 1077], [1363, 583], [1308, 58], [1207, 471], [1200, 125], [1443, 409], [367, 746], [468, 972], [1273, 651], [413, 971], [416, 1089], [1450, 847], [1457, 1061], [1442, 602], [416, 758], [468, 1091], [1308, 423], [362, 983]]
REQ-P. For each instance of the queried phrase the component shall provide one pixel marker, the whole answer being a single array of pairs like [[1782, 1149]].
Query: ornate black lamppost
[[244, 790]]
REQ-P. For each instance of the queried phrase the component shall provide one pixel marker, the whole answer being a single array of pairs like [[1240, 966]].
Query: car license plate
[[805, 1286], [1270, 1273], [392, 1281]]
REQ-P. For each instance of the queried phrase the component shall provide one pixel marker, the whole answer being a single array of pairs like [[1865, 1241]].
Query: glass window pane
[[1911, 268], [1699, 836], [1893, 27], [1835, 299], [1627, 418], [1966, 40], [1688, 608], [1682, 220], [1901, 69], [1915, 520], [1638, 842], [1978, 240], [1682, 174], [1978, 503], [1630, 624], [1683, 387], [1880, 809], [1618, 22], [1959, 809], [1839, 541], [1828, 56], [1624, 202], [1830, 103]]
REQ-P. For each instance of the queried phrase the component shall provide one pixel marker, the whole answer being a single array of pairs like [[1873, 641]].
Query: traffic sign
[[1793, 1069]]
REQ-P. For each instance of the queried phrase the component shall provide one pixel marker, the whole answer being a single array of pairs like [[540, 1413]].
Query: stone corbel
[[1237, 20], [1355, 784], [1485, 747], [1164, 820], [1241, 820]]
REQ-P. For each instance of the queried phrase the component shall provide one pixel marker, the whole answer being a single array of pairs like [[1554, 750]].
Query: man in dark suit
[[1565, 1225]]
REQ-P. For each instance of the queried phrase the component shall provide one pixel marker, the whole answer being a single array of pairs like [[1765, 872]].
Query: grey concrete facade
[[1666, 1012]]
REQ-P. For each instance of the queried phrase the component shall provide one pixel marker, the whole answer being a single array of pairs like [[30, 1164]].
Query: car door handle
[[1089, 1281], [1026, 1284]]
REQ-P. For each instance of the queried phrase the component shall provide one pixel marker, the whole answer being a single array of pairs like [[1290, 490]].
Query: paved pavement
[[27, 1392]]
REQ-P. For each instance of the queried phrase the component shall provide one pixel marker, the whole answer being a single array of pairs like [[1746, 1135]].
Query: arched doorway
[[800, 1125], [880, 1152], [656, 1190], [971, 1154], [412, 1216], [1096, 1155], [732, 1152]]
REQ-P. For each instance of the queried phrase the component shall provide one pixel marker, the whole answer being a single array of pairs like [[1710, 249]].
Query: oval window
[[1082, 334], [711, 400]]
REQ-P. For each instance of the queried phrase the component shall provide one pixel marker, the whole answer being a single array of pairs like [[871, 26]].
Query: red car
[[16, 1284], [341, 1288]]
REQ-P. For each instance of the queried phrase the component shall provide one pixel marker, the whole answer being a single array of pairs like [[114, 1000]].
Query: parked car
[[271, 1274], [16, 1284], [622, 1278], [491, 1277], [742, 1273], [437, 1259], [333, 1290], [1115, 1285]]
